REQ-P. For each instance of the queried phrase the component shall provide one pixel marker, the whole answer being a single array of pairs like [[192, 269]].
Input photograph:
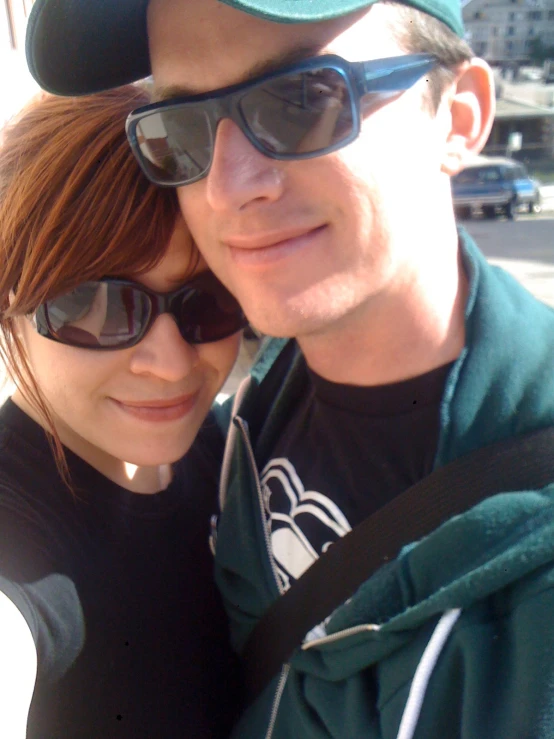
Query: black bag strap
[[521, 463]]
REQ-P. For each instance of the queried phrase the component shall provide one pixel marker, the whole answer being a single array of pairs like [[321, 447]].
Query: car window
[[490, 174], [478, 175], [467, 176], [516, 172]]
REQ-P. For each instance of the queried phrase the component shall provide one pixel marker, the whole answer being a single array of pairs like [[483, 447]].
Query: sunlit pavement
[[524, 247]]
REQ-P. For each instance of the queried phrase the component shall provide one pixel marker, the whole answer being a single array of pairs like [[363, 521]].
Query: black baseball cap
[[77, 47]]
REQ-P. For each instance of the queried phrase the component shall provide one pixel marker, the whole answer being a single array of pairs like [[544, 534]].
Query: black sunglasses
[[113, 314], [306, 110]]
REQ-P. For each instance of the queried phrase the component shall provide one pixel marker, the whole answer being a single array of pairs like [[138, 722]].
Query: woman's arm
[[18, 670]]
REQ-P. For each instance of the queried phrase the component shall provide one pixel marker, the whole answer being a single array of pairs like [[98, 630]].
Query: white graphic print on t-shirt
[[302, 523]]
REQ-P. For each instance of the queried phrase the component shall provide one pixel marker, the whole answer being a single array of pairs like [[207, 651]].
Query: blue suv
[[495, 186]]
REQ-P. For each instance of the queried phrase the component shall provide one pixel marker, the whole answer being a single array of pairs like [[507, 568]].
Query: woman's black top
[[117, 589]]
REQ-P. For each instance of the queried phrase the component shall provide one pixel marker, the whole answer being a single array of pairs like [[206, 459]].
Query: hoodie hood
[[502, 384]]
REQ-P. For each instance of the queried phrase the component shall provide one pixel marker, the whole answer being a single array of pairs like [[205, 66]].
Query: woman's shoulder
[[24, 447], [33, 557], [37, 510], [27, 465]]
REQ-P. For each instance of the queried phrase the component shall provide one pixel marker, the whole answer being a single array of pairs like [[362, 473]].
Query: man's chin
[[291, 326]]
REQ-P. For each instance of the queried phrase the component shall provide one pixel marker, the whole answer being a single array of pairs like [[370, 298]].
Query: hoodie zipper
[[243, 426], [230, 443], [277, 700]]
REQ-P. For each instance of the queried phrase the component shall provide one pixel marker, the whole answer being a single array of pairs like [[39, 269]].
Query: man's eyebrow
[[266, 66], [299, 54]]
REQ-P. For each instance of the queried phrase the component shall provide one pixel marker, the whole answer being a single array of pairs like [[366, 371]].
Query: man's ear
[[472, 108]]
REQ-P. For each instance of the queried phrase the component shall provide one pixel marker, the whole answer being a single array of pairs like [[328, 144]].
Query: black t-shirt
[[118, 591], [345, 453]]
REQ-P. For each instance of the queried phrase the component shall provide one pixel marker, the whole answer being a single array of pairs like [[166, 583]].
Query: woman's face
[[143, 405]]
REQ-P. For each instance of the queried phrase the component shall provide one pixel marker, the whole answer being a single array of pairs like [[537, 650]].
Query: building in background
[[504, 31], [517, 38], [534, 127]]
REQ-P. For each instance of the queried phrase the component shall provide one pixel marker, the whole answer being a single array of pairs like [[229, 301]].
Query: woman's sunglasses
[[306, 110], [116, 314]]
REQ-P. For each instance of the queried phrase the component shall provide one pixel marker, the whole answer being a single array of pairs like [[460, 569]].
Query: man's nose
[[163, 353], [240, 175]]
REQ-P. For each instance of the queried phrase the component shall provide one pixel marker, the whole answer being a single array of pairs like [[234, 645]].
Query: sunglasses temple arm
[[395, 78]]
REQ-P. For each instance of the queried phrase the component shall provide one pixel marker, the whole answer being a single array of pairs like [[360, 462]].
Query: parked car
[[495, 185]]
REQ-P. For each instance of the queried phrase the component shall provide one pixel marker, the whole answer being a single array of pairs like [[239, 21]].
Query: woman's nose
[[163, 352]]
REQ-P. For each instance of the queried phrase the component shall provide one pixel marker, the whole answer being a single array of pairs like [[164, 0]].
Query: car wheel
[[489, 211], [535, 207], [463, 212], [510, 210]]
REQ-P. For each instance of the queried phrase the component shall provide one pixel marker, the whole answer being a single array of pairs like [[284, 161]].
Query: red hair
[[74, 206]]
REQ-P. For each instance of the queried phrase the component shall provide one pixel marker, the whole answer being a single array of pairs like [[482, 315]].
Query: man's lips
[[162, 409], [263, 251], [269, 239]]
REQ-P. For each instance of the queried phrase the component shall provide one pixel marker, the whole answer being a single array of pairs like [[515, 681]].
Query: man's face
[[306, 245]]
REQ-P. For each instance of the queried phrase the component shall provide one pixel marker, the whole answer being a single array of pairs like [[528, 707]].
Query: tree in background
[[539, 52]]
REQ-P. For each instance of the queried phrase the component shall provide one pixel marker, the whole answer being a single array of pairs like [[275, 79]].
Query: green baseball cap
[[77, 47]]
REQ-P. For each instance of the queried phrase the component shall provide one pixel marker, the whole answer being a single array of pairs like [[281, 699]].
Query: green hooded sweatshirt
[[455, 638]]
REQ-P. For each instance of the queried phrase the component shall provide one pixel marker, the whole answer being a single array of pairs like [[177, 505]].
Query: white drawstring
[[425, 668], [230, 442]]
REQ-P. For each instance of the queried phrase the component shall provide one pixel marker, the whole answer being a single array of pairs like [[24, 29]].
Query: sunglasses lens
[[98, 314], [175, 145], [206, 311], [300, 113]]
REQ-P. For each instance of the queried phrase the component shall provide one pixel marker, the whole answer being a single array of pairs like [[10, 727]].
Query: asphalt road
[[524, 247]]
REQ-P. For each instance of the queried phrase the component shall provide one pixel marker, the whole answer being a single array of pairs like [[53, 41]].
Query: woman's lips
[[159, 410], [252, 255]]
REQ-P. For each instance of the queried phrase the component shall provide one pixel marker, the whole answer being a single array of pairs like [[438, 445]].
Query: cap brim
[[76, 47], [298, 11], [306, 11]]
